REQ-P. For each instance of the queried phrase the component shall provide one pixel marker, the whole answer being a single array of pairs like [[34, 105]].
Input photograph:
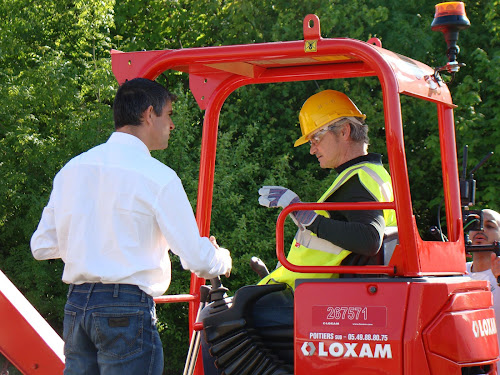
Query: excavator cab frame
[[417, 269]]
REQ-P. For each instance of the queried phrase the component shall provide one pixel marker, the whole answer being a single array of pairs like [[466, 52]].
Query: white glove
[[303, 218], [278, 196]]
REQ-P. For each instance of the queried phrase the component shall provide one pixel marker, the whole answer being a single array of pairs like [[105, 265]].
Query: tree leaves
[[57, 90]]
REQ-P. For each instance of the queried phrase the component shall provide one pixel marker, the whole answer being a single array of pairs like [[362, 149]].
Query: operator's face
[[162, 125], [329, 150], [490, 232]]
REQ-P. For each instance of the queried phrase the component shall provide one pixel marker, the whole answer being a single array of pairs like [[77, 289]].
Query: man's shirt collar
[[128, 140]]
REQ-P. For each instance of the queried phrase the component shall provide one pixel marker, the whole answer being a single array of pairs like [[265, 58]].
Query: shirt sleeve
[[177, 223], [360, 232], [44, 243]]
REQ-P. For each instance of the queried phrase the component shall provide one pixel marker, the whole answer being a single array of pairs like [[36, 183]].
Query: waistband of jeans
[[113, 288]]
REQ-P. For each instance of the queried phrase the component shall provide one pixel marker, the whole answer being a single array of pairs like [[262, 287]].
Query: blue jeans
[[110, 329]]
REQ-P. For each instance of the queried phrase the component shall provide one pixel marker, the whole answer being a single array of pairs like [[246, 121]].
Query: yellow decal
[[311, 45]]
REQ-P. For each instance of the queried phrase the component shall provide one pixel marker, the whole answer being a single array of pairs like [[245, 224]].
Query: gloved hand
[[278, 196], [303, 218]]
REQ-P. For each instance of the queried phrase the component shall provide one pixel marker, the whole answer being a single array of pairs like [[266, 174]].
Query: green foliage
[[478, 95], [57, 90], [52, 109]]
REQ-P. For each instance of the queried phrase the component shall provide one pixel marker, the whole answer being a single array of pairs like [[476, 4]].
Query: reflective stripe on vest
[[309, 250]]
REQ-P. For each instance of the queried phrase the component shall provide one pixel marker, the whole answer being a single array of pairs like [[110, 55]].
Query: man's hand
[[278, 196], [216, 245], [304, 218]]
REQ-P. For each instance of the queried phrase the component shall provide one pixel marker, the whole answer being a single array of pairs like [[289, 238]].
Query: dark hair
[[135, 96]]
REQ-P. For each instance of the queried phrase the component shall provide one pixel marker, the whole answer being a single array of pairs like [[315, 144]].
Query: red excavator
[[410, 311]]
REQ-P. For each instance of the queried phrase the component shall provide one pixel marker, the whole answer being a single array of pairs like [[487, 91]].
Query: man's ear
[[346, 131], [146, 117]]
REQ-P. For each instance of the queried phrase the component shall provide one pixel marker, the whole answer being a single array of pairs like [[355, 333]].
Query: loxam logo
[[484, 327], [347, 349]]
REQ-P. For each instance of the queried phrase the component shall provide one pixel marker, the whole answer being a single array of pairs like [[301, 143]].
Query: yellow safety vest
[[309, 250]]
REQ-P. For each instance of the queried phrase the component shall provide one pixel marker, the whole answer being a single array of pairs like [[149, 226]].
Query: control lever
[[217, 293]]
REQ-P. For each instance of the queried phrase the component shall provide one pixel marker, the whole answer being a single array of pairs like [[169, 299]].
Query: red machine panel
[[26, 339], [394, 326], [350, 326]]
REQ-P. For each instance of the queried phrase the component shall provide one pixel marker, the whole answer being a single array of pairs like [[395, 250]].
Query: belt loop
[[143, 296], [91, 289], [117, 289], [70, 289]]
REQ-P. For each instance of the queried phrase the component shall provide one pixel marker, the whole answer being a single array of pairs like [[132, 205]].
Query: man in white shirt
[[485, 264], [113, 214]]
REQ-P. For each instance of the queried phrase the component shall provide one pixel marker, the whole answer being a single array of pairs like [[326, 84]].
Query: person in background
[[113, 214], [485, 265]]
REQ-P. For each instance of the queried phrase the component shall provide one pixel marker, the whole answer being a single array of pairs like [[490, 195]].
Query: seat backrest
[[389, 243]]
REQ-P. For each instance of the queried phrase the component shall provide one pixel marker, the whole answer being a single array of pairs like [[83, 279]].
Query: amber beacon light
[[450, 18]]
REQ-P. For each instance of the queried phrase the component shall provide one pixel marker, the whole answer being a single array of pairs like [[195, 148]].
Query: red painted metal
[[177, 298], [441, 326], [412, 77], [198, 326], [280, 253], [325, 331], [450, 171], [26, 339]]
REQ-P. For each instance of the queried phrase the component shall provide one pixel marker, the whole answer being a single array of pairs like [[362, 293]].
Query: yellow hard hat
[[321, 109]]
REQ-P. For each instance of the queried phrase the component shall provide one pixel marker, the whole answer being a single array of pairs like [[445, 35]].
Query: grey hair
[[359, 130]]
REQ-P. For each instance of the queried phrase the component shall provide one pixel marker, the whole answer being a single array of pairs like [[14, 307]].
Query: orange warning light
[[450, 18], [448, 14], [451, 8]]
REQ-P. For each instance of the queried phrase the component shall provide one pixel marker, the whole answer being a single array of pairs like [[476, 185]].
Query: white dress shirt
[[113, 214]]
